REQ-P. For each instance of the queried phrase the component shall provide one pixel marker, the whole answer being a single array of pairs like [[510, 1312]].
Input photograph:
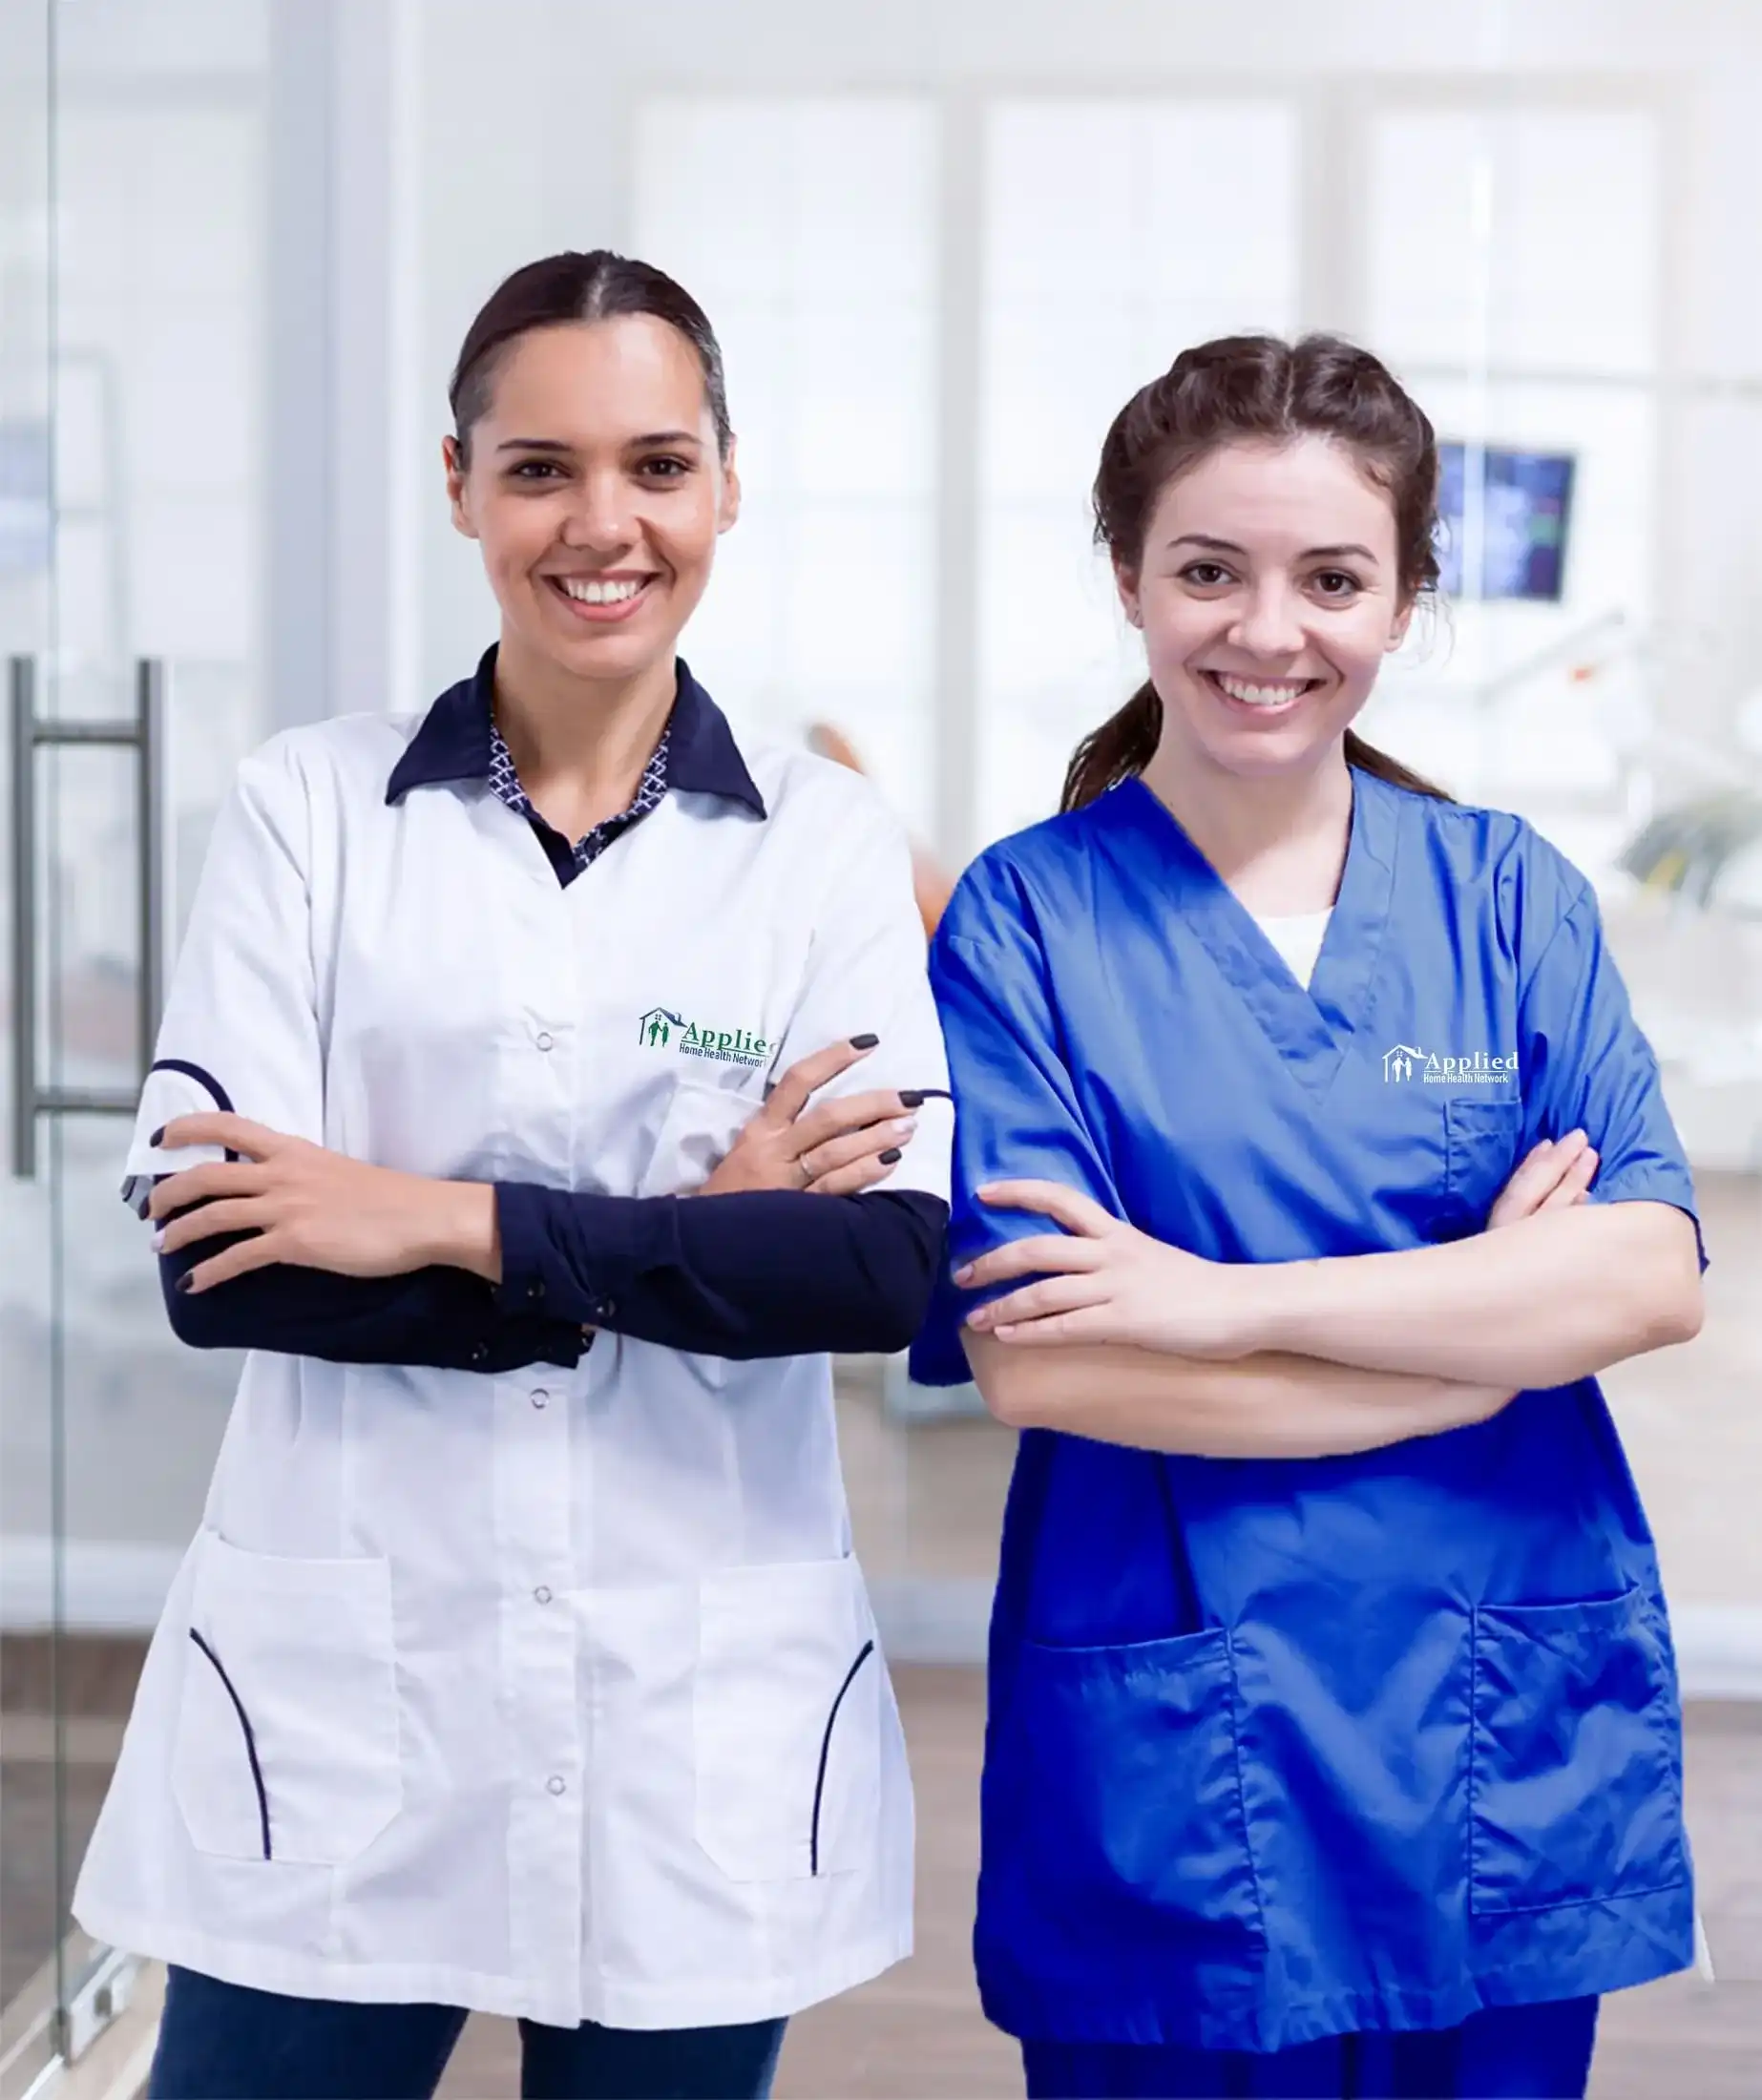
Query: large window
[[1504, 256]]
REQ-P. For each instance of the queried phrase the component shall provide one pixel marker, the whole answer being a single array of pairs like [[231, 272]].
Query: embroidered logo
[[660, 1028], [1406, 1061]]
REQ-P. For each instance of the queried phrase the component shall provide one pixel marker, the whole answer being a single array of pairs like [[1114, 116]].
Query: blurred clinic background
[[942, 240]]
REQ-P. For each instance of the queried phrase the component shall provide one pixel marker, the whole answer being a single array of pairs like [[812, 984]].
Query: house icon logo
[[1400, 1063], [656, 1027]]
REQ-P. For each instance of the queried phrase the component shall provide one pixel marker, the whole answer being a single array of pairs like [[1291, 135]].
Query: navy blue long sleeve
[[769, 1273], [772, 1273], [443, 1317]]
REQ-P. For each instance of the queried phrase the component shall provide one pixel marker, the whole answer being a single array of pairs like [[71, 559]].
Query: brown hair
[[1259, 389], [596, 286]]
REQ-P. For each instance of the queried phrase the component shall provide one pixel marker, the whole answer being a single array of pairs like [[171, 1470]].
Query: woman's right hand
[[1552, 1177], [837, 1148]]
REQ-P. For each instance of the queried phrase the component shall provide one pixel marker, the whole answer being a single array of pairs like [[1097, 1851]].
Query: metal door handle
[[145, 736]]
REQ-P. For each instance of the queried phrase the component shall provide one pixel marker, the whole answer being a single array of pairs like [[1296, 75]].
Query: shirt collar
[[453, 743]]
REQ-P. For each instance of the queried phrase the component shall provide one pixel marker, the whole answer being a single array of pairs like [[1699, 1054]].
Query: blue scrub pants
[[222, 2042], [1511, 2053]]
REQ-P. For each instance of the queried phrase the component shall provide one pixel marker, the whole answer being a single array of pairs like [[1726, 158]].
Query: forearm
[[1265, 1406], [765, 1273], [1536, 1304], [437, 1316]]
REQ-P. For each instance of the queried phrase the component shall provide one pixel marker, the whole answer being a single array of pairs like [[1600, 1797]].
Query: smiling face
[[1269, 594], [593, 487]]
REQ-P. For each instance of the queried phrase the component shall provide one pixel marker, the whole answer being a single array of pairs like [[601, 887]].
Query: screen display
[[1523, 504]]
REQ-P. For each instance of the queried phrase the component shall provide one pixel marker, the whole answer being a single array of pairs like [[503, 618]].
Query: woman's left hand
[[1103, 1280], [313, 1209]]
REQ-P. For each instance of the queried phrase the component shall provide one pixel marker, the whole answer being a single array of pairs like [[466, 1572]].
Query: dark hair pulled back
[[596, 286], [1256, 388]]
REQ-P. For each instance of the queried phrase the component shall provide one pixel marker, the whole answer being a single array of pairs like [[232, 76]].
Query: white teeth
[[1262, 696], [599, 593]]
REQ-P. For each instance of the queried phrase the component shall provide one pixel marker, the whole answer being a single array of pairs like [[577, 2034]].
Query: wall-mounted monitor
[[1511, 542]]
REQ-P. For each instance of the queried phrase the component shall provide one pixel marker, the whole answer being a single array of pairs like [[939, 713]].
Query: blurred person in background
[[521, 1663], [1309, 1168]]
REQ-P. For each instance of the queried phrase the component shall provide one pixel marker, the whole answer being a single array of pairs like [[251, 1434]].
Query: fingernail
[[913, 1099], [963, 1273], [864, 1042], [892, 1155], [157, 1135], [905, 1126], [159, 1239], [183, 1281]]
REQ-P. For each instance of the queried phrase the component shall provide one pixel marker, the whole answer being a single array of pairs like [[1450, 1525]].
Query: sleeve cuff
[[569, 1256]]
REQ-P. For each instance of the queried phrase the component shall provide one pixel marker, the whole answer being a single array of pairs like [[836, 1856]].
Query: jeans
[[225, 2042]]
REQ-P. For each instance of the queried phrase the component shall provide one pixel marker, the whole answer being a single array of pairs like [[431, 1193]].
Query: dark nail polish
[[864, 1042], [892, 1155], [157, 1135], [183, 1281], [913, 1099]]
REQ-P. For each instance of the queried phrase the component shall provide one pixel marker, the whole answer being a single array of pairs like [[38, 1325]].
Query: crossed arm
[[1130, 1342]]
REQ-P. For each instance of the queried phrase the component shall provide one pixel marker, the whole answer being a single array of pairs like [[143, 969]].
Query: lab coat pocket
[[286, 1741], [1575, 1755], [788, 1708], [1113, 1813], [698, 1129], [1480, 1147]]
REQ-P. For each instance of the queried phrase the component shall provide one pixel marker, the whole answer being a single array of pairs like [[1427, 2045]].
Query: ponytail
[[1367, 759], [1126, 743], [1120, 749]]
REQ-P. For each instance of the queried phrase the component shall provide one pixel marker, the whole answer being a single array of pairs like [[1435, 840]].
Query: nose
[[601, 520], [1270, 622]]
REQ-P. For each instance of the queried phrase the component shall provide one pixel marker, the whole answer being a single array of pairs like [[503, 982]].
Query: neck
[[1278, 841], [579, 745]]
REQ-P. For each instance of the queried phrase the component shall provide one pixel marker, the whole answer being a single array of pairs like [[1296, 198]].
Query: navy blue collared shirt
[[459, 740], [764, 1273]]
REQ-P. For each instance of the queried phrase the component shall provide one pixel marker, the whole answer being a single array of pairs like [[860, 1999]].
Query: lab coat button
[[543, 1039], [542, 1594], [539, 1395], [556, 1784]]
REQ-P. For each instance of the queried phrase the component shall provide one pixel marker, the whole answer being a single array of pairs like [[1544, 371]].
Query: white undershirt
[[1298, 940]]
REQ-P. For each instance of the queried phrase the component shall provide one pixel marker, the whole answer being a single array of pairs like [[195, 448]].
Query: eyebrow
[[556, 446], [1311, 553]]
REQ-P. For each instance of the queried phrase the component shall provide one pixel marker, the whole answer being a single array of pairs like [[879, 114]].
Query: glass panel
[[1090, 289], [805, 227], [158, 357], [29, 1866]]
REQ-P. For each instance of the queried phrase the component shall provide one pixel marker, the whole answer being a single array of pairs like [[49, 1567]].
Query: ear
[[728, 508], [456, 487], [1398, 633], [1126, 582]]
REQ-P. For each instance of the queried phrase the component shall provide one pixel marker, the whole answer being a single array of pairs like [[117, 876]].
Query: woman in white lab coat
[[521, 1663]]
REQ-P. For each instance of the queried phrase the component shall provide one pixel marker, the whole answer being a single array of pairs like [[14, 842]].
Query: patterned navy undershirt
[[653, 786]]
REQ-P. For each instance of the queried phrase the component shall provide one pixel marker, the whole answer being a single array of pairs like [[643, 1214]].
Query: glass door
[[132, 207], [31, 1775]]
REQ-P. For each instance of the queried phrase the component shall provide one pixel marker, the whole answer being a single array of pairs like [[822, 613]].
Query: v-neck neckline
[[1312, 1027]]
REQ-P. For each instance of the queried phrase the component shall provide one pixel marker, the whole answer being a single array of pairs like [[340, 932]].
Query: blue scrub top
[[1285, 1748]]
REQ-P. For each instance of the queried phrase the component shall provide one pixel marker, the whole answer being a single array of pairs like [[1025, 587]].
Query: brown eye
[[1205, 576], [1337, 583]]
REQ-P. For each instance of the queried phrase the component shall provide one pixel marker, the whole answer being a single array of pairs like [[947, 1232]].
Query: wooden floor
[[917, 2034]]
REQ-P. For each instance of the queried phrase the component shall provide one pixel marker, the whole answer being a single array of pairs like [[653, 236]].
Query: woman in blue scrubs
[[1334, 1741]]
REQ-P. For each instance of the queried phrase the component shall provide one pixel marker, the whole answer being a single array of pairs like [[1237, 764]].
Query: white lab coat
[[549, 1694]]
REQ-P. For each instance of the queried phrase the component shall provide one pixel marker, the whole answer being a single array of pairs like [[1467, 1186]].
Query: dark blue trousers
[[1511, 2053], [222, 2042]]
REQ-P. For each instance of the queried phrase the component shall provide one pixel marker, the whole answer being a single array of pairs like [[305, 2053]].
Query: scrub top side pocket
[[286, 1741], [1576, 1772], [1114, 1827], [1481, 1140]]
